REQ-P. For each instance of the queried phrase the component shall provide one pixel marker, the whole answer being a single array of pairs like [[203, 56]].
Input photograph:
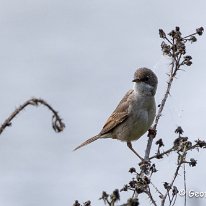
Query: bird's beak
[[135, 80]]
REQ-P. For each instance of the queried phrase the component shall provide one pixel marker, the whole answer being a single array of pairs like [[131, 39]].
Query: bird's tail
[[90, 140]]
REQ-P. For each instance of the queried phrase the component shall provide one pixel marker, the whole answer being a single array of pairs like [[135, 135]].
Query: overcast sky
[[80, 56]]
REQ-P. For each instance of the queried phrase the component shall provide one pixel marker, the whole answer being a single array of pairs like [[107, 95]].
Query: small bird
[[134, 114]]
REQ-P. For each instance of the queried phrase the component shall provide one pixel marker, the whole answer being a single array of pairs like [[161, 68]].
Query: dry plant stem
[[163, 153], [108, 202], [151, 197], [129, 144], [175, 175], [112, 203], [185, 186], [58, 125], [174, 68], [167, 193], [171, 150], [157, 190], [174, 200], [133, 195]]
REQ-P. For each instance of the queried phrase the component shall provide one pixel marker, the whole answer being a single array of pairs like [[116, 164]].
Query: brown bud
[[132, 169], [193, 39], [200, 143], [200, 31], [162, 33], [174, 191], [87, 203], [193, 162], [160, 143], [179, 130]]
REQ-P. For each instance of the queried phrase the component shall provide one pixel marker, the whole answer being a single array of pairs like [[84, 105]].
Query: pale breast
[[141, 115]]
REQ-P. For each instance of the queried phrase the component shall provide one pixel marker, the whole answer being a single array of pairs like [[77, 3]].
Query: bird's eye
[[145, 79]]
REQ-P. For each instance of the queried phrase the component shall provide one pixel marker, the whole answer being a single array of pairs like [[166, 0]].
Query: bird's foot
[[129, 144]]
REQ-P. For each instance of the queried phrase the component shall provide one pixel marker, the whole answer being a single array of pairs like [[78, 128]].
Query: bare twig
[[181, 160], [148, 192], [163, 153], [172, 149], [185, 186], [174, 200], [57, 123], [161, 195]]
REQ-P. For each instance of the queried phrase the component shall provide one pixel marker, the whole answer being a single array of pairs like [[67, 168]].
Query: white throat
[[144, 89]]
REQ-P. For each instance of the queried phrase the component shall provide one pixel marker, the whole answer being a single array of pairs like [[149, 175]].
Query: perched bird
[[134, 114]]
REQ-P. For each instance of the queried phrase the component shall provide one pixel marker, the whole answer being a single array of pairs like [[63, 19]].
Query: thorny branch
[[57, 123], [150, 196], [160, 155], [151, 135]]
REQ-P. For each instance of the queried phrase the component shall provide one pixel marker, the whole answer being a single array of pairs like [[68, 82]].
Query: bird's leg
[[129, 144]]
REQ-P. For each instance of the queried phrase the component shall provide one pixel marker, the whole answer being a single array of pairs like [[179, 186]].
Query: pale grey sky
[[80, 56]]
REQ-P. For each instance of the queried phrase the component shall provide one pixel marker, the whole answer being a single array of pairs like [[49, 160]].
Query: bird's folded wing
[[119, 115]]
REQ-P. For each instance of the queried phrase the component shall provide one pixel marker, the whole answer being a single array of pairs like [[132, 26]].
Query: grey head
[[145, 81]]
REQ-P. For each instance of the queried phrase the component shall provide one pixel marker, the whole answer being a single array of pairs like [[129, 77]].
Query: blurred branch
[[57, 123]]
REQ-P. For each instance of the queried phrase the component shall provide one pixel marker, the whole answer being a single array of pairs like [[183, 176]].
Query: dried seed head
[[200, 143], [193, 39], [187, 60], [160, 143], [192, 162], [200, 31], [166, 48], [139, 190], [181, 47], [159, 156], [125, 188], [188, 63], [179, 130], [57, 124], [133, 202], [132, 170], [104, 197], [76, 203], [87, 203], [162, 33], [172, 33], [174, 191], [132, 183], [146, 180], [144, 166], [115, 196], [180, 143], [167, 186], [153, 168], [177, 28]]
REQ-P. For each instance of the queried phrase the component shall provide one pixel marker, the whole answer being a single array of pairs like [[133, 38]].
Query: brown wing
[[119, 115]]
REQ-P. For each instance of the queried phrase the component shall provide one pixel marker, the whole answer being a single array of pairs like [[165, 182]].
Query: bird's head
[[145, 81]]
